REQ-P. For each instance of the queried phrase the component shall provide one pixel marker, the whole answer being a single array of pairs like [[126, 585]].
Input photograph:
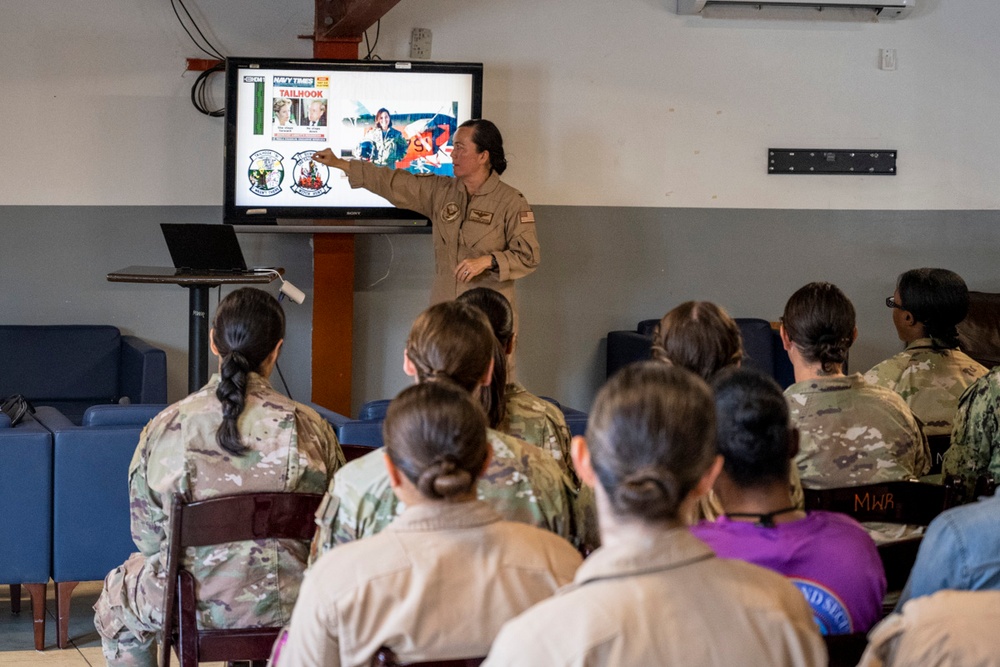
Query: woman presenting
[[484, 230]]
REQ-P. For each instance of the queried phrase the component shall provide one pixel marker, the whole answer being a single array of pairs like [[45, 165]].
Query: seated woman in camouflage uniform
[[931, 373], [454, 341], [701, 337], [852, 433], [235, 435], [513, 409], [442, 578]]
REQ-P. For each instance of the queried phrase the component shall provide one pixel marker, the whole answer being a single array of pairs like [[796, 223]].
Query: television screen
[[279, 112]]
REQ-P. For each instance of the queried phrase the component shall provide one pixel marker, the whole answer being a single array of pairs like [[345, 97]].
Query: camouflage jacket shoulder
[[929, 380], [854, 433], [975, 441], [540, 423], [290, 449], [522, 483]]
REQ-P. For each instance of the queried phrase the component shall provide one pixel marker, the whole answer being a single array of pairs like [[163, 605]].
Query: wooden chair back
[[232, 518], [386, 658], [352, 452], [908, 502]]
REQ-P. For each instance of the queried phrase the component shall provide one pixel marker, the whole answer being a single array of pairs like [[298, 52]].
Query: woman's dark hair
[[651, 437], [699, 336], [819, 319], [452, 340], [487, 137], [497, 309], [248, 325], [435, 434], [751, 418], [938, 299]]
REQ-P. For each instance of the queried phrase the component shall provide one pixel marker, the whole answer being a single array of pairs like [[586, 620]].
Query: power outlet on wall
[[420, 43]]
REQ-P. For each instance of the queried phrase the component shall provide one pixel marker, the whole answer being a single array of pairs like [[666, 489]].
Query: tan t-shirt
[[437, 583], [666, 600]]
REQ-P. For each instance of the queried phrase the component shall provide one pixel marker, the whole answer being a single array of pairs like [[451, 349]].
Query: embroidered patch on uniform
[[450, 211], [527, 218], [484, 217]]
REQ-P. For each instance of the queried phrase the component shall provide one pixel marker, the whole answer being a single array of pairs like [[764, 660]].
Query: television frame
[[304, 218]]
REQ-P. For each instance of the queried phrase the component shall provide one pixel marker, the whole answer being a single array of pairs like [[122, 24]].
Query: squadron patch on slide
[[266, 173], [310, 177]]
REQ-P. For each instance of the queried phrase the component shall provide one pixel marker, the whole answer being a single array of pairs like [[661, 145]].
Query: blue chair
[[364, 431], [71, 367], [91, 522], [26, 515], [761, 346]]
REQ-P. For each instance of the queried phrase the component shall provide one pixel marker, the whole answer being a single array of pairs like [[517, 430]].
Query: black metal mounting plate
[[831, 161]]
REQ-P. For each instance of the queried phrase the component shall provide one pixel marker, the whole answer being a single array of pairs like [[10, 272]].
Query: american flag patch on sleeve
[[527, 218]]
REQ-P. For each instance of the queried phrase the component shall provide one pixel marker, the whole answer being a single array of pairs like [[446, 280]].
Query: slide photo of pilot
[[417, 138]]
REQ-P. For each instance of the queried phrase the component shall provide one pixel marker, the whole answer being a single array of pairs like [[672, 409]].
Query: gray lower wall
[[602, 269]]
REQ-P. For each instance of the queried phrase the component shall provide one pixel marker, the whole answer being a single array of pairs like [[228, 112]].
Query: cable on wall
[[371, 55], [211, 50]]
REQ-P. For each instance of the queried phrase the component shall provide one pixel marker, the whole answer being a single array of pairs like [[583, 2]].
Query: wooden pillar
[[333, 290]]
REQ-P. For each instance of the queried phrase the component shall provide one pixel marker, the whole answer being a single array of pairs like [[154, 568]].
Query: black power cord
[[199, 92]]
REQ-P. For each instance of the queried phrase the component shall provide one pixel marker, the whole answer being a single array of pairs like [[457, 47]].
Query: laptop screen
[[199, 247]]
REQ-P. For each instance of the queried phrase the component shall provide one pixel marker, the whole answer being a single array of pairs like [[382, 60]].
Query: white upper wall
[[601, 103]]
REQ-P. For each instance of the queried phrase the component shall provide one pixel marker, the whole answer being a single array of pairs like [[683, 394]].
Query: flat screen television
[[279, 112]]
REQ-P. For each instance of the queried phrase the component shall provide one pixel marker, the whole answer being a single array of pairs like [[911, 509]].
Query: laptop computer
[[196, 248]]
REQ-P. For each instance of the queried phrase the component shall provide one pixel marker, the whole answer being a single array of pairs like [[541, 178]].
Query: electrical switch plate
[[887, 59], [420, 44]]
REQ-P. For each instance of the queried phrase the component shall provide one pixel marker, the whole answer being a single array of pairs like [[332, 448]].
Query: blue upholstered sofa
[[71, 367], [367, 428]]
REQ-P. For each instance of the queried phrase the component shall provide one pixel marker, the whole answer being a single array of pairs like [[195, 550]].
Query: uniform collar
[[666, 550], [489, 185], [440, 516], [826, 384], [515, 388], [920, 343]]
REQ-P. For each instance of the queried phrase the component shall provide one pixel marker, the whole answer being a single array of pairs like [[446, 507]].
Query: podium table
[[198, 284]]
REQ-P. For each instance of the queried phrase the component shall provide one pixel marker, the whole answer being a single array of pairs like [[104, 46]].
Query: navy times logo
[[266, 173], [311, 178]]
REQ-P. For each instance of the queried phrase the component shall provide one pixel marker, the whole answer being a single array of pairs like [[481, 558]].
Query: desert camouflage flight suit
[[540, 423], [496, 221], [522, 483], [853, 433], [975, 442], [930, 381], [240, 584]]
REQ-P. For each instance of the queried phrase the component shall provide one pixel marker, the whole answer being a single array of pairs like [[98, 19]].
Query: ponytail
[[249, 324]]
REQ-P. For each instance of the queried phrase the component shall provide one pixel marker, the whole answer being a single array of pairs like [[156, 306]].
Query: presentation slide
[[394, 118]]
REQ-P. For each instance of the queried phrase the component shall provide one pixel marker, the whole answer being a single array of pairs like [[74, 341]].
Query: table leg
[[197, 337]]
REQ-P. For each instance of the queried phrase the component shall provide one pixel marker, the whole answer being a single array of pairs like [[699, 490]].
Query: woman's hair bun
[[443, 479], [651, 491]]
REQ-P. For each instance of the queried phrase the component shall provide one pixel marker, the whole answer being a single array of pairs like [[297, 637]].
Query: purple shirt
[[828, 556]]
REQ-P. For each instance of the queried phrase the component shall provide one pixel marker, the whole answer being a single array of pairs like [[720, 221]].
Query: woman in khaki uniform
[[443, 577], [484, 230], [654, 594]]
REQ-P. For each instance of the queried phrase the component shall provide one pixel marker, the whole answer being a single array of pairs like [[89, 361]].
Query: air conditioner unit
[[886, 9]]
